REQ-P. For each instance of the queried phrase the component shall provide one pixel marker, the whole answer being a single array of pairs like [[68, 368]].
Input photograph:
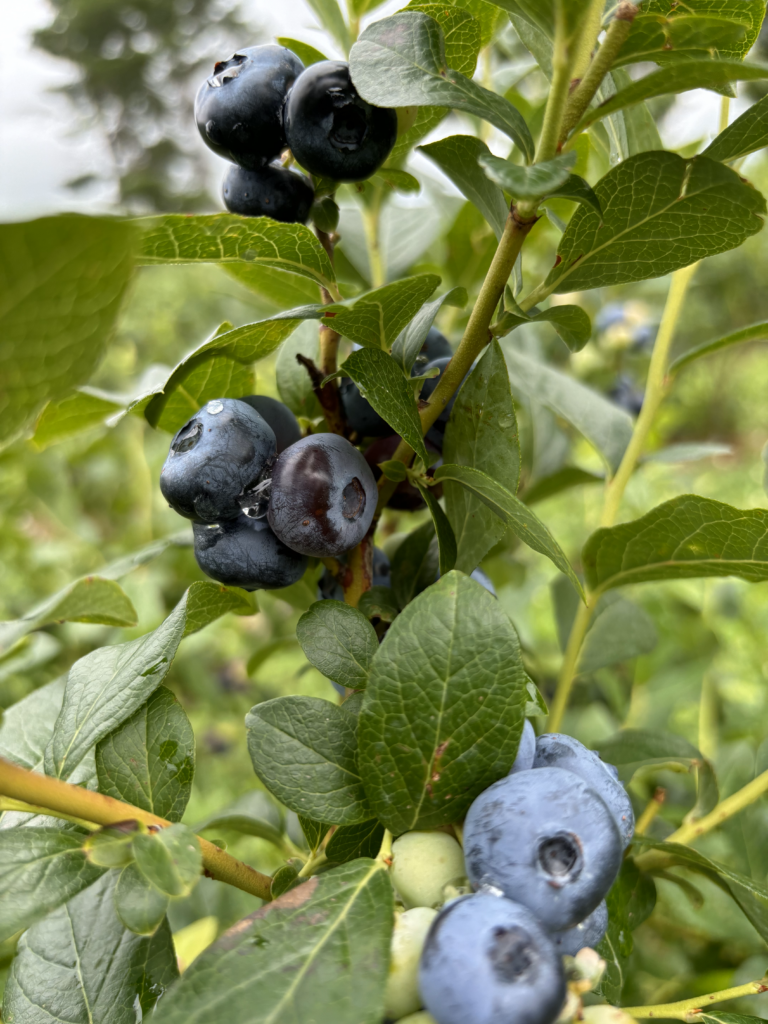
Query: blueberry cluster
[[261, 101], [542, 847], [261, 497]]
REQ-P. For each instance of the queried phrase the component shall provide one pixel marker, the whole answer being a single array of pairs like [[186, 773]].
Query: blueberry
[[436, 346], [333, 132], [556, 750], [402, 992], [359, 413], [244, 552], [279, 417], [238, 109], [423, 863], [323, 496], [270, 191], [382, 570], [483, 580], [526, 751], [627, 395], [588, 932], [437, 430], [487, 960], [215, 460], [546, 839]]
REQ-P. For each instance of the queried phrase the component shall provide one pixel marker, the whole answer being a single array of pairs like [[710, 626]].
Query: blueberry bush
[[473, 332]]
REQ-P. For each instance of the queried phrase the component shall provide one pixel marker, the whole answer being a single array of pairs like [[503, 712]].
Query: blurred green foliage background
[[70, 508]]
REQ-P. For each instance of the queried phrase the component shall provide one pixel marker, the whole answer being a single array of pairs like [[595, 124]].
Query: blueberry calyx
[[560, 858]]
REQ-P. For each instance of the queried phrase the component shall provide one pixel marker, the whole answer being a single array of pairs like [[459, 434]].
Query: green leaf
[[304, 750], [535, 705], [294, 385], [721, 1017], [349, 842], [149, 760], [62, 280], [461, 51], [76, 412], [620, 631], [749, 894], [755, 332], [410, 340], [401, 62], [80, 965], [482, 433], [396, 180], [40, 868], [227, 238], [748, 133], [284, 879], [140, 905], [330, 17], [517, 516], [112, 846], [339, 641], [382, 383], [633, 750], [486, 15], [442, 716], [533, 182], [578, 191], [458, 157], [379, 602], [630, 902], [323, 946], [446, 541], [376, 318], [314, 832], [660, 213], [666, 32], [689, 74], [415, 565], [208, 601], [108, 685], [253, 814], [219, 368], [604, 425], [685, 538], [307, 54], [91, 599], [170, 859], [276, 289], [571, 323], [562, 480]]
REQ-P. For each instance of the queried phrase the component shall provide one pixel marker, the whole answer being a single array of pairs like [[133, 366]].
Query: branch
[[62, 798], [328, 395], [691, 1009]]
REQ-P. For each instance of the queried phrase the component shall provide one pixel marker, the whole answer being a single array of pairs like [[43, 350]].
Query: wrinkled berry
[[238, 109], [323, 496], [215, 460], [331, 130], [245, 553], [487, 960], [546, 839]]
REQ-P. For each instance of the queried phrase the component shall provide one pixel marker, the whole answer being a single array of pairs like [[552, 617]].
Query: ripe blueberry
[[331, 130], [487, 960], [556, 750], [588, 932], [238, 109], [437, 431], [423, 863], [526, 751], [323, 496], [269, 191], [215, 459], [402, 992], [544, 838], [244, 552], [279, 417], [436, 346]]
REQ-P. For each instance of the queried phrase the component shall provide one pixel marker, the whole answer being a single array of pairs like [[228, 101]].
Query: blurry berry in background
[[627, 395], [278, 416]]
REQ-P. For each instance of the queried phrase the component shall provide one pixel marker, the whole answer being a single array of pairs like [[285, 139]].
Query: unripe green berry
[[423, 863], [402, 993], [422, 1017]]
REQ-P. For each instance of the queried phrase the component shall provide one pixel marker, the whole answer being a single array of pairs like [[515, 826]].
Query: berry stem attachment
[[59, 798], [601, 64], [691, 1010], [328, 396], [359, 572], [384, 856], [652, 808]]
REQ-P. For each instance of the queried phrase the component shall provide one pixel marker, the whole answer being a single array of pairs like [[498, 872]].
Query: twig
[[691, 1009]]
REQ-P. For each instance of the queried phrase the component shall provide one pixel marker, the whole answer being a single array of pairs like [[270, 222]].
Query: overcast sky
[[40, 148]]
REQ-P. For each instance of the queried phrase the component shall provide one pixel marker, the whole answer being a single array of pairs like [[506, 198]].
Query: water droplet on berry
[[214, 408]]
